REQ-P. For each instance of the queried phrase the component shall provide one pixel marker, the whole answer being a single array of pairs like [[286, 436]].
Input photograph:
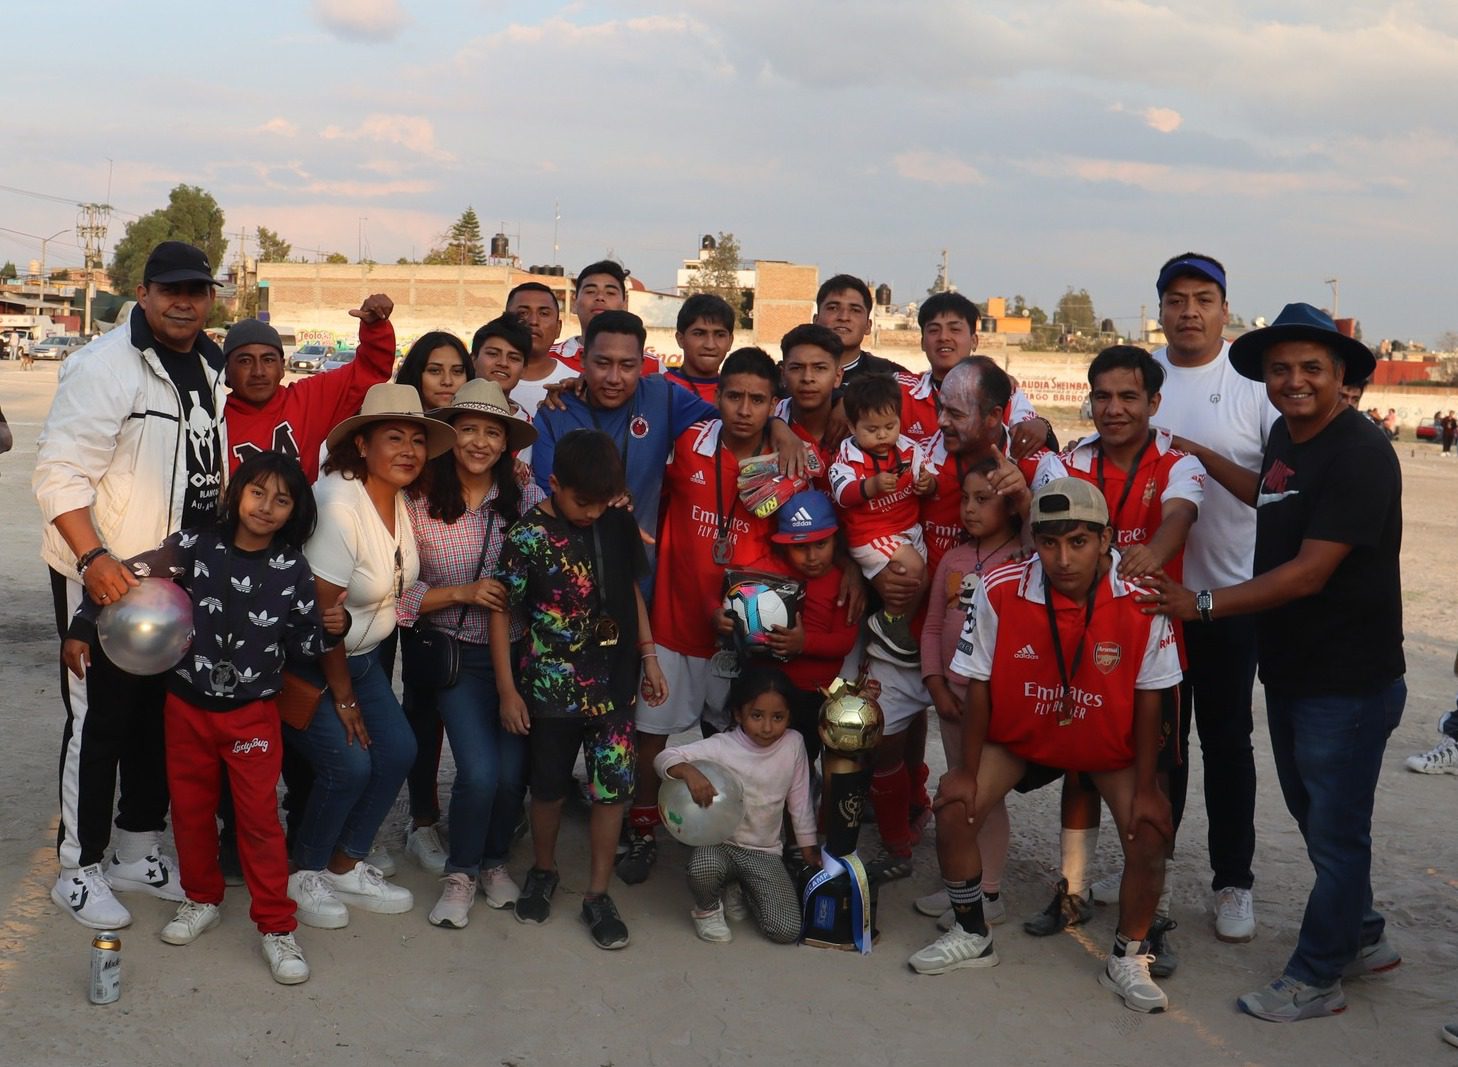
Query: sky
[[1043, 144]]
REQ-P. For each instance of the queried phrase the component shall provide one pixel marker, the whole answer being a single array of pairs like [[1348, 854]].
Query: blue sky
[[1044, 144]]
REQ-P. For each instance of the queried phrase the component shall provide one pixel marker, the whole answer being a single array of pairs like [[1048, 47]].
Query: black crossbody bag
[[430, 657]]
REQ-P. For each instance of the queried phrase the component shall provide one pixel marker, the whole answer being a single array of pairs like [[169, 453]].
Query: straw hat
[[482, 397], [389, 402]]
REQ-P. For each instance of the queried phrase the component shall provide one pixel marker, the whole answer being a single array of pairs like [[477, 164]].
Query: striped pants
[[766, 883]]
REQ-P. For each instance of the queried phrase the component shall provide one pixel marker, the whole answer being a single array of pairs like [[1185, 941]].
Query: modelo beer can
[[105, 968]]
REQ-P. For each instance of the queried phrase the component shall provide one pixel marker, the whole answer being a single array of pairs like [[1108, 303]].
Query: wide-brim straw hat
[[482, 397], [390, 402]]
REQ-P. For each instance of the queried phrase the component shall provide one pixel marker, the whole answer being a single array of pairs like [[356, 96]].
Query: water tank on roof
[[708, 244], [883, 295], [500, 246], [557, 271]]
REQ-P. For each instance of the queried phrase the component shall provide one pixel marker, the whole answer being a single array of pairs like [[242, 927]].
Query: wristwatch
[[1204, 604]]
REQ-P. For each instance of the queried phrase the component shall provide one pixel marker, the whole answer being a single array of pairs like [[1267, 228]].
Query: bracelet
[[90, 558], [649, 655]]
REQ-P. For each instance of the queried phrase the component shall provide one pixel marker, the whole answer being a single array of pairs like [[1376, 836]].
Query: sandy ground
[[396, 989]]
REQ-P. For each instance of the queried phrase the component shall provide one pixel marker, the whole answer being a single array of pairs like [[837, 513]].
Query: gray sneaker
[[1288, 1000], [1376, 958]]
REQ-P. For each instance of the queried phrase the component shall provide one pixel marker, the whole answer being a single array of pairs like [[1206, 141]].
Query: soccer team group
[[539, 531]]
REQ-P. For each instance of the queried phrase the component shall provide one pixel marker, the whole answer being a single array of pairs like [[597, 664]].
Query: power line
[[69, 201]]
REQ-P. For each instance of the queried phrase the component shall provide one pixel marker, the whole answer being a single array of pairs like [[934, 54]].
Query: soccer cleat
[[1063, 911], [603, 922], [501, 891], [315, 903], [1128, 976], [712, 927], [895, 636], [1376, 958], [953, 951], [888, 867], [535, 903], [191, 922], [1442, 758], [453, 910], [1106, 889], [154, 873], [1163, 959], [364, 887], [1287, 1000], [423, 843], [285, 959], [86, 895], [1234, 915], [637, 863]]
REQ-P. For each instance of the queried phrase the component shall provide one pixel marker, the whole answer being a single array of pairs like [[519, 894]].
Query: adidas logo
[[1026, 652], [915, 428], [698, 478], [801, 517]]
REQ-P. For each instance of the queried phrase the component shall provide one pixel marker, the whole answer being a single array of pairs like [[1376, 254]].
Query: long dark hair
[[445, 500], [755, 680], [257, 469], [413, 366]]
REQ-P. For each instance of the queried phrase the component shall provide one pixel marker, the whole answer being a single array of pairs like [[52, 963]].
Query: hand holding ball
[[149, 630], [695, 825]]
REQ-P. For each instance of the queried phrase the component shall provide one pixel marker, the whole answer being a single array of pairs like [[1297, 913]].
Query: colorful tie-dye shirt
[[547, 566]]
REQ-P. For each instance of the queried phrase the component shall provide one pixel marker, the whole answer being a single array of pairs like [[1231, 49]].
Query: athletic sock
[[1127, 946], [132, 846], [891, 797], [917, 775], [966, 898], [642, 818], [1162, 908], [1079, 847]]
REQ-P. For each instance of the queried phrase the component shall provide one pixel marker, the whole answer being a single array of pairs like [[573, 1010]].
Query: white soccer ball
[[758, 608]]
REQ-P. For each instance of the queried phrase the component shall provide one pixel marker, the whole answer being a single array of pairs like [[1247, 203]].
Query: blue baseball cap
[[807, 516], [1187, 265]]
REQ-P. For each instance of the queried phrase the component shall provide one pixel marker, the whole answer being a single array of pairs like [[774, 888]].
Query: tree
[[191, 215], [271, 247], [1076, 312], [461, 244], [1038, 315], [62, 275], [8, 273], [1447, 340], [1020, 306], [336, 257], [718, 275]]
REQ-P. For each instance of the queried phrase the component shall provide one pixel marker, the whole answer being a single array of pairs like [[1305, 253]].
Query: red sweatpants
[[248, 740]]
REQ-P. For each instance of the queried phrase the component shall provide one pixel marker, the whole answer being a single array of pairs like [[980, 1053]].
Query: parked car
[[338, 359], [309, 359], [1430, 430], [57, 347]]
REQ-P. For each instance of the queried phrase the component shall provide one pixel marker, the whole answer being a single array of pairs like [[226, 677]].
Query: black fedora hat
[[1302, 322]]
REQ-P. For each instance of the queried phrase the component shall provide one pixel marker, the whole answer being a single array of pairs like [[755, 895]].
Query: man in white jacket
[[132, 450]]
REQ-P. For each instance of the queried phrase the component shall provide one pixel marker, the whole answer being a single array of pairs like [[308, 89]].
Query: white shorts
[[903, 694], [873, 556], [694, 693]]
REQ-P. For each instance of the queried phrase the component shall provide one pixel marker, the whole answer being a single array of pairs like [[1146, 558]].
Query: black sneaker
[[637, 863], [1063, 911], [895, 635], [888, 867], [535, 903], [228, 860], [1166, 959], [602, 919]]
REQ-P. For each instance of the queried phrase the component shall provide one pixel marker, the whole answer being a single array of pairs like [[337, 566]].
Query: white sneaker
[[934, 903], [86, 896], [1234, 915], [285, 959], [734, 907], [1128, 976], [154, 873], [1106, 889], [712, 927], [953, 950], [381, 860], [453, 909], [994, 911], [424, 844], [500, 888], [191, 922], [364, 887], [1442, 758], [315, 902]]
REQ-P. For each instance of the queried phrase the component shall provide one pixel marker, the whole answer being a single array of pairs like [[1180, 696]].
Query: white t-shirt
[[1215, 406], [530, 394], [352, 549]]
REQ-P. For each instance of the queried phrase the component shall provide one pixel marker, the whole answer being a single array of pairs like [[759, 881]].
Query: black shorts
[[607, 746], [1169, 756]]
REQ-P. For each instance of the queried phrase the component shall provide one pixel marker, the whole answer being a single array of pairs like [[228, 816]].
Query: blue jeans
[[1328, 752], [354, 786], [486, 799]]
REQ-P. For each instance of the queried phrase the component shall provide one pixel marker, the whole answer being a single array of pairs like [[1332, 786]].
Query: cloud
[[1163, 119], [1174, 180], [413, 132], [279, 125], [369, 21], [934, 168]]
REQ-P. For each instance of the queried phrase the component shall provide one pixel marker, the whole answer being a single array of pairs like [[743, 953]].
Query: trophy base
[[828, 918]]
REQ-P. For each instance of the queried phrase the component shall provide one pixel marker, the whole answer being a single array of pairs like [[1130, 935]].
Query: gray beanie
[[251, 332]]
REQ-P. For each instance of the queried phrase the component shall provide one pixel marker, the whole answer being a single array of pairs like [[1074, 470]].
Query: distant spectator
[[1448, 427], [1389, 424]]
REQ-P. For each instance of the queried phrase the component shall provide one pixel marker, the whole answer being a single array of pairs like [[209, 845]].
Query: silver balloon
[[149, 630], [694, 825]]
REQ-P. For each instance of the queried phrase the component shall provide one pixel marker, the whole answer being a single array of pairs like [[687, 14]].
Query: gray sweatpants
[[767, 887]]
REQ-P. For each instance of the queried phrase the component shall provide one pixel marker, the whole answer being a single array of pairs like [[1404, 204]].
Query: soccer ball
[[758, 608], [850, 723]]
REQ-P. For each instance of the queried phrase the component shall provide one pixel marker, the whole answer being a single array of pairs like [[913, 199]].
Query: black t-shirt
[[868, 363], [204, 461], [1343, 485]]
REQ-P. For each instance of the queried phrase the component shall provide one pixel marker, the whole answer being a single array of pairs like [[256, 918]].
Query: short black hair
[[839, 284], [1190, 272], [713, 309], [510, 329], [1129, 357], [603, 266], [809, 333], [254, 470], [1061, 527], [955, 303], [624, 322], [871, 393], [755, 361], [531, 287], [588, 463]]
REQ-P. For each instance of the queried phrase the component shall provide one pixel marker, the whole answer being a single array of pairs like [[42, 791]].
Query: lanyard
[[1128, 482], [627, 440], [724, 516], [1067, 672]]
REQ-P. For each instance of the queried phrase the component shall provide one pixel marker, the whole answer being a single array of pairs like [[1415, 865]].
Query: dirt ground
[[395, 989]]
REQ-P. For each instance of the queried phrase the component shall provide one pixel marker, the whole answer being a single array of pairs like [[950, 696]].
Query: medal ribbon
[[1065, 673], [1128, 482]]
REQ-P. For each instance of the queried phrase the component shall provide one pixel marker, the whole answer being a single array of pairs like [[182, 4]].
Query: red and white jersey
[[568, 352], [941, 511], [1006, 641], [1135, 511], [867, 519], [688, 589], [784, 412], [919, 407]]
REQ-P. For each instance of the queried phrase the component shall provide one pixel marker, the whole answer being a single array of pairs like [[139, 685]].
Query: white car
[[343, 357], [57, 347]]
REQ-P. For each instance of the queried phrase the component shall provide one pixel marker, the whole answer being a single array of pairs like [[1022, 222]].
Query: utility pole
[[359, 256], [1336, 297], [91, 228], [1143, 322], [556, 225]]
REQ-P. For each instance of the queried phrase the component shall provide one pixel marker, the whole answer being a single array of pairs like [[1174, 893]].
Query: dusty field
[[394, 989]]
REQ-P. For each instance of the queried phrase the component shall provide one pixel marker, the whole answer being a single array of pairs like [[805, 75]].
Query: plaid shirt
[[449, 555]]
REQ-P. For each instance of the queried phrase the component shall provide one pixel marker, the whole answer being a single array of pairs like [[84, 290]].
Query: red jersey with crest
[[705, 388], [568, 352], [689, 588], [941, 512], [919, 407], [1006, 641], [880, 516]]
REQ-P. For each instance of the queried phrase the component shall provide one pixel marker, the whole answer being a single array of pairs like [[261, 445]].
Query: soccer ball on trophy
[[850, 722]]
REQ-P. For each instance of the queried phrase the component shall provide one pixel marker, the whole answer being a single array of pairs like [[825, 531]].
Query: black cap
[[178, 261]]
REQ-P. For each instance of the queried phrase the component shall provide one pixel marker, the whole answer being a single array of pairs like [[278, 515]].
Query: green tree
[[8, 273], [1076, 312], [1020, 306], [62, 275], [336, 257], [461, 244], [191, 215], [271, 247], [718, 275]]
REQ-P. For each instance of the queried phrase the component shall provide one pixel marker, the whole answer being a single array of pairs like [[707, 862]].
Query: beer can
[[105, 968]]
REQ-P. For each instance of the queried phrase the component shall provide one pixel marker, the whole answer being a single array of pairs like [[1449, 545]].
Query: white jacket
[[114, 441]]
